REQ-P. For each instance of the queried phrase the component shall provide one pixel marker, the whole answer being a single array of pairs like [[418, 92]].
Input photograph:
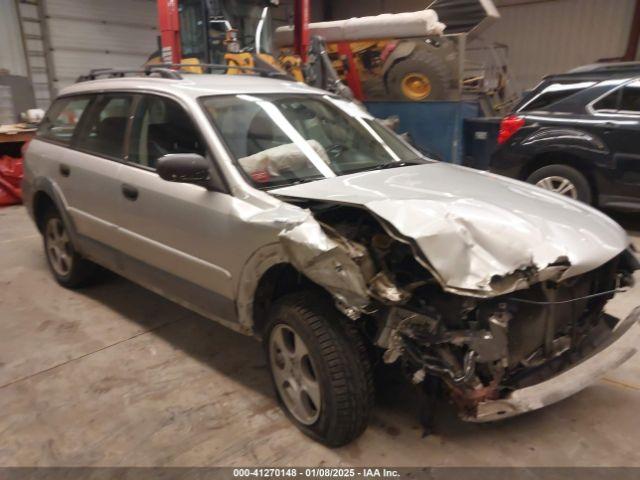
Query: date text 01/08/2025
[[316, 472]]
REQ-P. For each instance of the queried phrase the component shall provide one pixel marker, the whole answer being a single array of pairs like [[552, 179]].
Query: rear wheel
[[564, 180], [68, 267], [320, 368]]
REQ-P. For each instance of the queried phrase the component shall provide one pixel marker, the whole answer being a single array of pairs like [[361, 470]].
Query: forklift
[[235, 33], [415, 65]]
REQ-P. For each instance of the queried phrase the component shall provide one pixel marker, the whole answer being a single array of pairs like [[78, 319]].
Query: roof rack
[[218, 67], [159, 70], [171, 71]]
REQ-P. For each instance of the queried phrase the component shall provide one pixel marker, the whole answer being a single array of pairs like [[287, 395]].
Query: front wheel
[[564, 180], [320, 368]]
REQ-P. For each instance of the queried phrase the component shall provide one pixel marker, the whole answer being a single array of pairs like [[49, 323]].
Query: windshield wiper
[[394, 164], [403, 163], [310, 179]]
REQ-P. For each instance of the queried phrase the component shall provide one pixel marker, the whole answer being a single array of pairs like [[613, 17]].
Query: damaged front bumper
[[619, 347]]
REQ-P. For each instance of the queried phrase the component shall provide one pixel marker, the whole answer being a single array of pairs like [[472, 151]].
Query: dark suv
[[578, 134]]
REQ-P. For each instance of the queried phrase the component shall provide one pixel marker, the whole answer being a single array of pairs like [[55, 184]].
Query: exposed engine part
[[343, 267], [381, 287], [480, 349]]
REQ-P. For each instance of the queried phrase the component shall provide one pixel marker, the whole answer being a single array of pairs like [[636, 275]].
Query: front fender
[[262, 260]]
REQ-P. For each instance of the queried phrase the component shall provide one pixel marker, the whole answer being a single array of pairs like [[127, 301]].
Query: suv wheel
[[68, 267], [320, 368], [564, 180]]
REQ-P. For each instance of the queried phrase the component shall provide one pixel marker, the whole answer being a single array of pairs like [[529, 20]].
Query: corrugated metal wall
[[543, 36], [12, 52], [552, 37], [99, 34]]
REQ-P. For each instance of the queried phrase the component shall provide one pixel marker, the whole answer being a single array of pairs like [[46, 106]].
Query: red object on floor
[[11, 173]]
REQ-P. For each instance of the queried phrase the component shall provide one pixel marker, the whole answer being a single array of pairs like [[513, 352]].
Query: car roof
[[598, 71], [587, 88], [194, 85]]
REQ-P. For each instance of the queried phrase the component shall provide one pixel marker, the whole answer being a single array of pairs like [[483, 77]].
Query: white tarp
[[389, 25]]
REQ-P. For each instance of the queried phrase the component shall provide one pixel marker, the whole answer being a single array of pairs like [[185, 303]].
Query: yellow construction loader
[[386, 57]]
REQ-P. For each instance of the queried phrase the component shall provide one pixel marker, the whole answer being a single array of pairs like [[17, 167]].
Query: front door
[[175, 231]]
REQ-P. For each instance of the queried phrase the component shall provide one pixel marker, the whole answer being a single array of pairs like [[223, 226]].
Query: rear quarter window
[[551, 94], [63, 117]]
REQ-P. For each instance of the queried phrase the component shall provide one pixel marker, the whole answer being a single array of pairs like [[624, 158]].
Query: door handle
[[129, 192], [65, 171]]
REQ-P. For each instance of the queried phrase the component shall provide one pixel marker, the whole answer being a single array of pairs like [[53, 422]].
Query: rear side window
[[621, 100], [630, 99], [553, 93], [62, 119], [161, 126], [608, 103], [105, 130]]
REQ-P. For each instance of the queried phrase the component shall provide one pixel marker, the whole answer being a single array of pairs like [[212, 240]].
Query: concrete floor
[[114, 375]]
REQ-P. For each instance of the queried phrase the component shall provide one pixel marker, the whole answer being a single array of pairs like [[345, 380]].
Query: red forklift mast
[[169, 23], [301, 28]]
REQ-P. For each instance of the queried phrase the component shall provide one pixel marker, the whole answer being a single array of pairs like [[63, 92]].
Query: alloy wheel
[[295, 374], [560, 185], [59, 249]]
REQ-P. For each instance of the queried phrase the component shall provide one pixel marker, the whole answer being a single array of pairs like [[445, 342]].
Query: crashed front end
[[515, 343]]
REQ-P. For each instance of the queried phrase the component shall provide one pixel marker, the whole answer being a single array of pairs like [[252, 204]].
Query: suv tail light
[[509, 125]]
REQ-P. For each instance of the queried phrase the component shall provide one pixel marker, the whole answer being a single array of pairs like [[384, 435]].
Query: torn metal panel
[[261, 261], [342, 267], [479, 234]]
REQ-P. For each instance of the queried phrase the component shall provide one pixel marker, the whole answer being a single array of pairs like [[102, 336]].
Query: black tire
[[424, 60], [341, 362], [81, 272], [374, 89], [582, 186]]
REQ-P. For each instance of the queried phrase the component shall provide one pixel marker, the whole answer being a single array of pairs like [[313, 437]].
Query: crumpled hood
[[482, 234]]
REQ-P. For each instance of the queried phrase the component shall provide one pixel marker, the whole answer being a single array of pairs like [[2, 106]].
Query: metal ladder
[[32, 17]]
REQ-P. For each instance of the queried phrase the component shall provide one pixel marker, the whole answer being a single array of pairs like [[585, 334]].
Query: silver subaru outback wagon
[[287, 213]]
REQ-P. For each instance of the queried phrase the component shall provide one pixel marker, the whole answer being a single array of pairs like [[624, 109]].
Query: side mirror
[[184, 168]]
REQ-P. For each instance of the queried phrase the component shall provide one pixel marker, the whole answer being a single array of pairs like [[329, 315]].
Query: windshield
[[285, 139]]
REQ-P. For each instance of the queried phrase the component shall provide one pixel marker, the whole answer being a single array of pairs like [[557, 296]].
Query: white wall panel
[[553, 37], [86, 34], [132, 11], [72, 34], [11, 52], [543, 36], [71, 64]]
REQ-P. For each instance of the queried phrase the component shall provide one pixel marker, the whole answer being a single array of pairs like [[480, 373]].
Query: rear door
[[58, 129], [619, 115], [91, 167]]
